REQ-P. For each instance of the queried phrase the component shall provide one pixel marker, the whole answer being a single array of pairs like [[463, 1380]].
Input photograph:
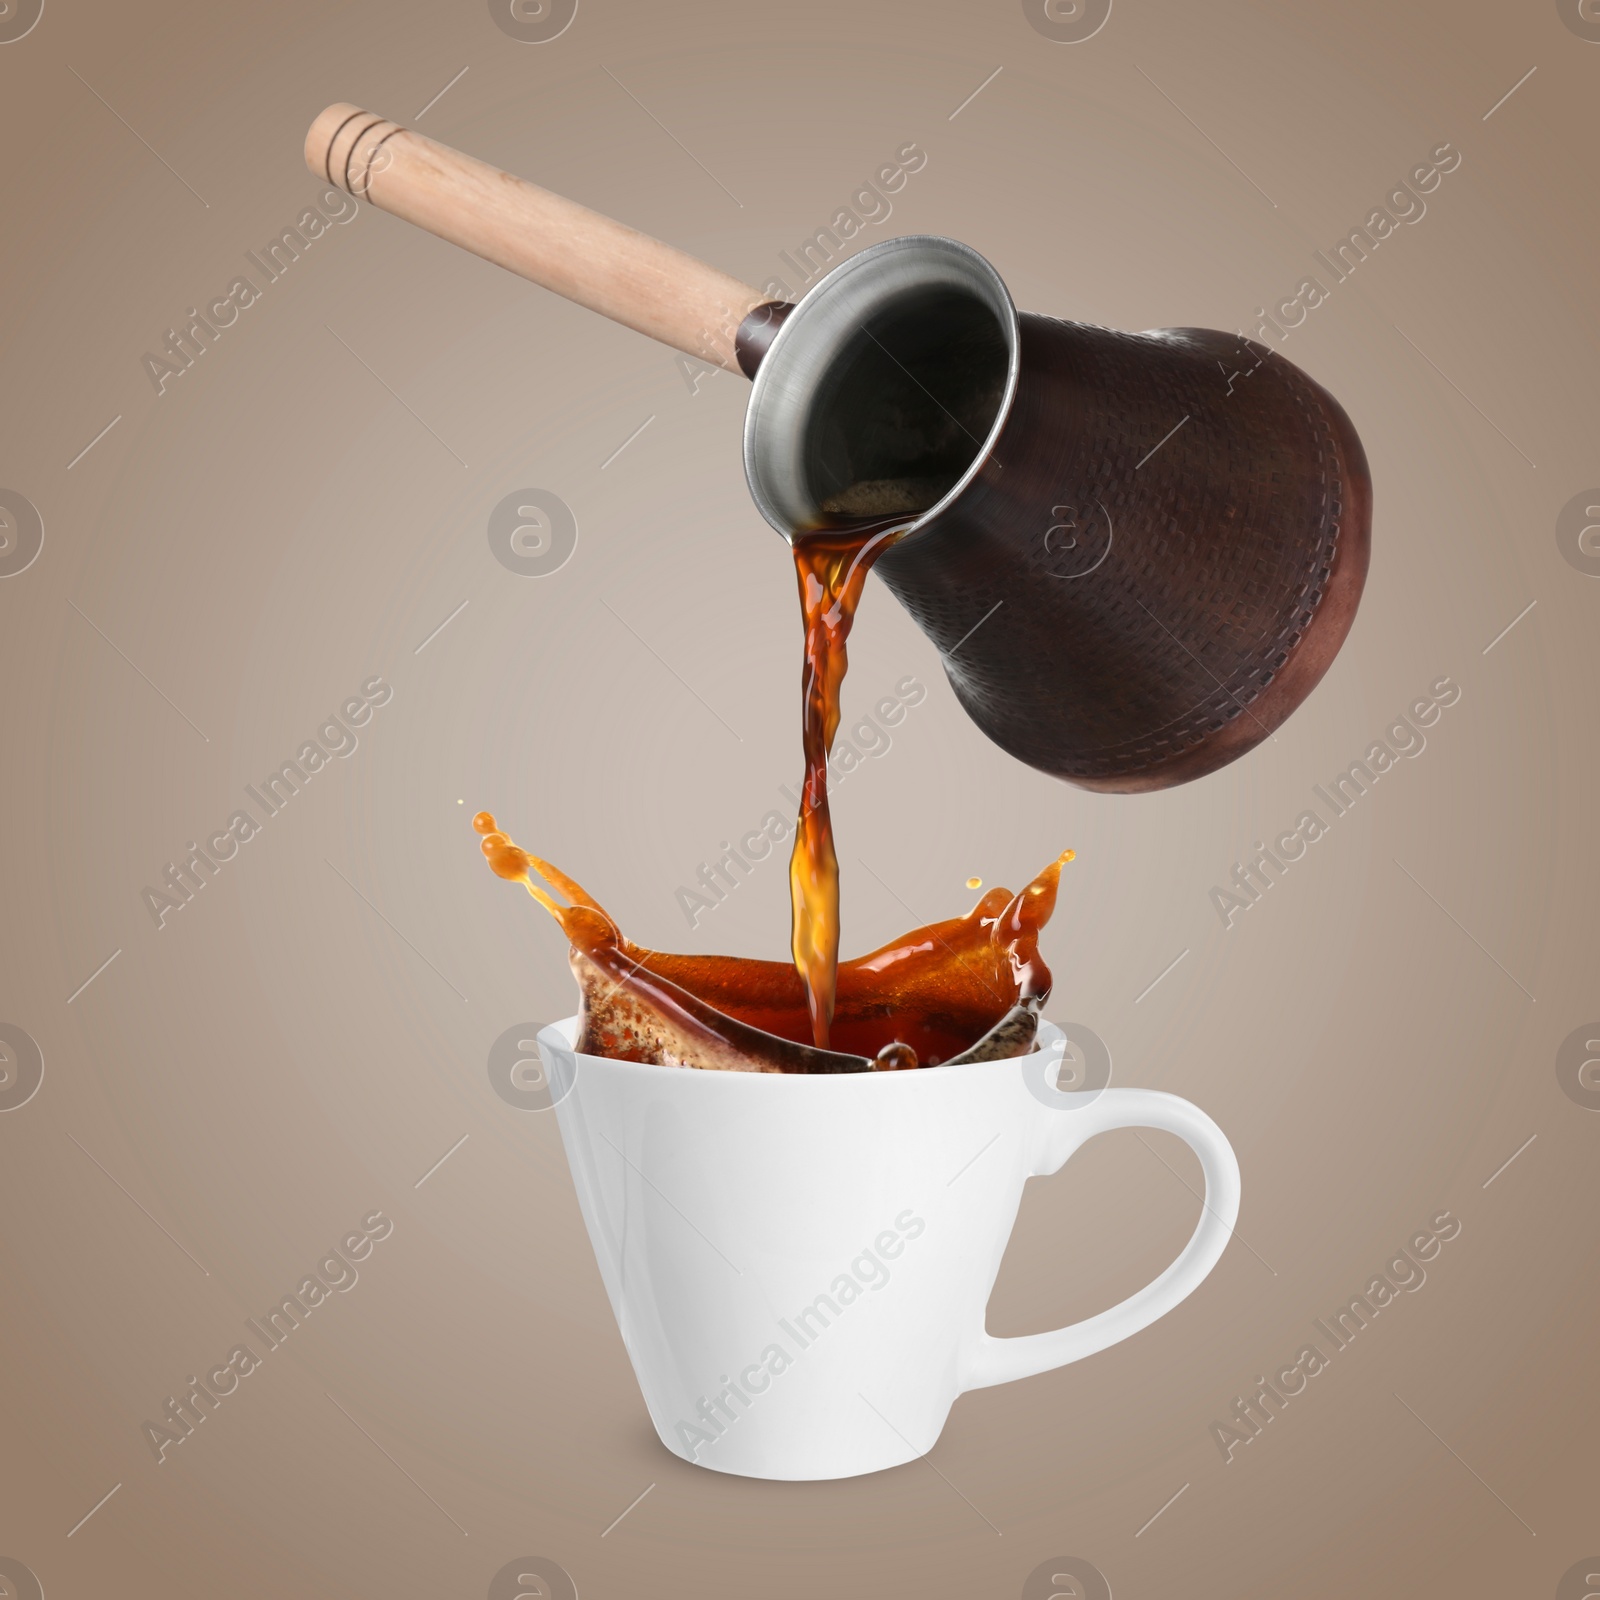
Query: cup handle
[[994, 1360]]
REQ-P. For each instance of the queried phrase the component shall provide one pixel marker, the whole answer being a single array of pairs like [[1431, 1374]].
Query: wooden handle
[[558, 244]]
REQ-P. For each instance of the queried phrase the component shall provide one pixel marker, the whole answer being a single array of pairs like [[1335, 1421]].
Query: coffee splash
[[966, 989]]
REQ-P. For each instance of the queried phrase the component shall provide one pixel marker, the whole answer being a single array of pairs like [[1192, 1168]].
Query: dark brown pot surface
[[1156, 562]]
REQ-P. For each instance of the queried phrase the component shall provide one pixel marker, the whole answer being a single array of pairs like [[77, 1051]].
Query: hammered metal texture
[[1124, 612]]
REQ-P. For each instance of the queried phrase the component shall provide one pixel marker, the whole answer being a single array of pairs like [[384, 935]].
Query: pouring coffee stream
[[1137, 554], [832, 568]]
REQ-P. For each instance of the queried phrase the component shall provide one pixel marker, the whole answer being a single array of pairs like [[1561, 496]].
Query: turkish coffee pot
[[1137, 553]]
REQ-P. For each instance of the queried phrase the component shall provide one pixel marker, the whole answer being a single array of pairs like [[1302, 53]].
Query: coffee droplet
[[505, 859], [974, 883], [895, 1057]]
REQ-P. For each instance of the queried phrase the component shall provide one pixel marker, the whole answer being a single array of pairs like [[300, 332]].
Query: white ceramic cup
[[800, 1266]]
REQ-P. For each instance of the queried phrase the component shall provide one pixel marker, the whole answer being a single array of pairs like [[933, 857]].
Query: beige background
[[291, 1051]]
